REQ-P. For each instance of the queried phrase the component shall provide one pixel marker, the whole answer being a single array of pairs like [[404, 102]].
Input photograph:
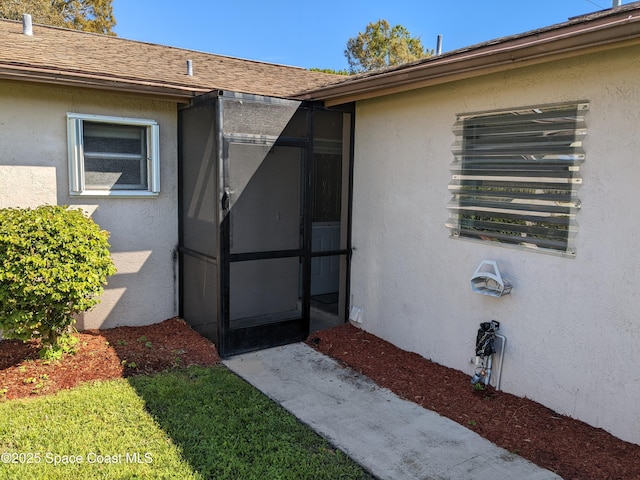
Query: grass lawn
[[194, 423]]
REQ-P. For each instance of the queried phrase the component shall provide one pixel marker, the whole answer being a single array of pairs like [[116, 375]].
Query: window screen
[[114, 156]]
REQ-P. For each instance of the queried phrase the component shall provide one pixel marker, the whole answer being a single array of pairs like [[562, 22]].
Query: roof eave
[[568, 40], [177, 93]]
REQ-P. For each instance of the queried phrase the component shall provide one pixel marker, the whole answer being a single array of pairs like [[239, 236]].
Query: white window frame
[[75, 142]]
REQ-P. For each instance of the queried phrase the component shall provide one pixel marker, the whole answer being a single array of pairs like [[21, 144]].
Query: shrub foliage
[[54, 263]]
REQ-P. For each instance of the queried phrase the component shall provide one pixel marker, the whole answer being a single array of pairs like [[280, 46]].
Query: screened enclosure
[[264, 219]]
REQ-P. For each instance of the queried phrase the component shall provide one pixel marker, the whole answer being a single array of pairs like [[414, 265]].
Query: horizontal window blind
[[515, 176]]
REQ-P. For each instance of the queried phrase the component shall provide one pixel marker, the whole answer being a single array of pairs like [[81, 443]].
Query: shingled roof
[[69, 57], [61, 56]]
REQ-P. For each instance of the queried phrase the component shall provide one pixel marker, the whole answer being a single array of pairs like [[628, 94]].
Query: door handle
[[225, 201]]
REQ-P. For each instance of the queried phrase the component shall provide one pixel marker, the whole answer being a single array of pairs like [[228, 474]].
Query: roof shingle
[[64, 56]]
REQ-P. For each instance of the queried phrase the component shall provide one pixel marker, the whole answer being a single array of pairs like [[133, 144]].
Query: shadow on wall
[[143, 291], [143, 237], [116, 300]]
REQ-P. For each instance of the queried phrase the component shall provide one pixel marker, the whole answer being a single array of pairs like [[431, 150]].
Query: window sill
[[118, 194]]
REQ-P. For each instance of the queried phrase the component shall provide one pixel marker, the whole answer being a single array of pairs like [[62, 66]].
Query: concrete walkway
[[390, 437]]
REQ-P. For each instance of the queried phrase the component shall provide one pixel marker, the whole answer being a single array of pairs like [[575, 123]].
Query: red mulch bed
[[102, 355], [572, 449]]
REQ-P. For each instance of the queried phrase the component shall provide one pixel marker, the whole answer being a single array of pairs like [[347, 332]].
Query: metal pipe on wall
[[27, 24], [503, 346]]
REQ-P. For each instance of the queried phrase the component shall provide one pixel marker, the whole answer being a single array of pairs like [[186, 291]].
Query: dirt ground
[[571, 448]]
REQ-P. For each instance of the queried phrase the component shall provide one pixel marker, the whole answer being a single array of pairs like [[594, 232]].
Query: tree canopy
[[330, 70], [381, 45], [88, 15]]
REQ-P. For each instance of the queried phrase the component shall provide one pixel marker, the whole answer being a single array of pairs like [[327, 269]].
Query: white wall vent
[[487, 280]]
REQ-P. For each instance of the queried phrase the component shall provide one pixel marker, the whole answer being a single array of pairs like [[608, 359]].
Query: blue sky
[[314, 34]]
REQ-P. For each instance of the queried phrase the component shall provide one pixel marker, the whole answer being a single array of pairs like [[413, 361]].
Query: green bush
[[54, 263]]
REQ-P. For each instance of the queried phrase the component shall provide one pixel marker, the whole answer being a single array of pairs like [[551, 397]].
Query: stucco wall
[[572, 324], [144, 231]]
